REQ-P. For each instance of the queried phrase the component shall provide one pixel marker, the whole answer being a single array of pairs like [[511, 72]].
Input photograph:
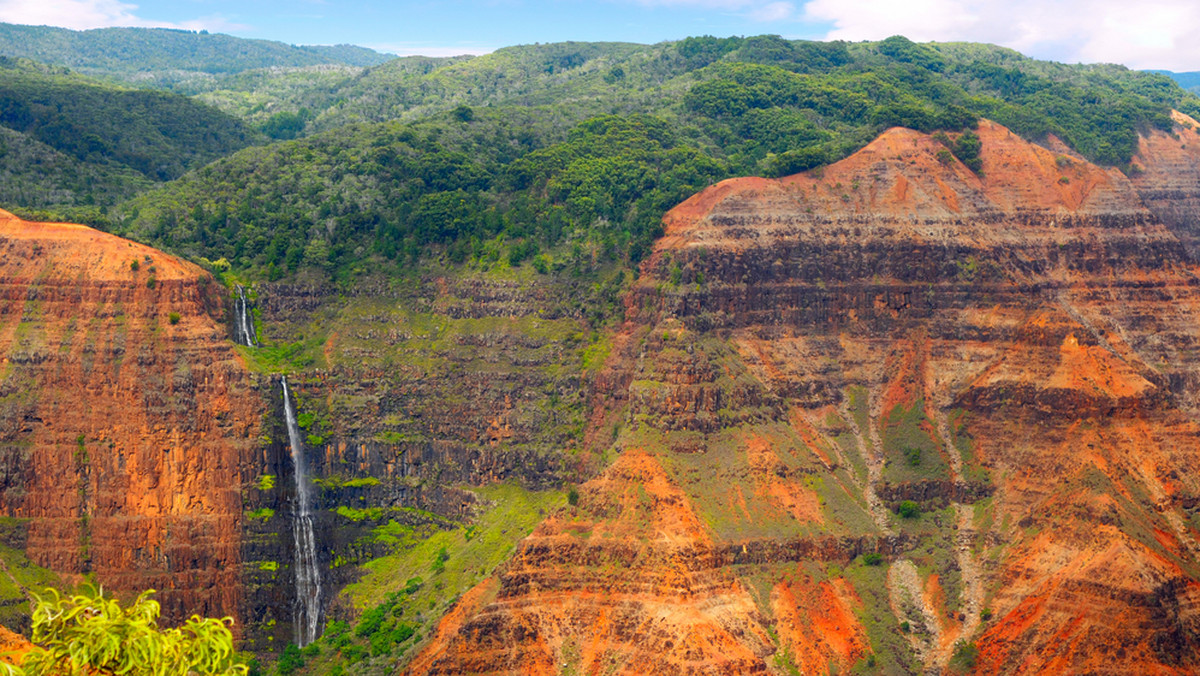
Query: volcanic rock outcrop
[[889, 412], [125, 415]]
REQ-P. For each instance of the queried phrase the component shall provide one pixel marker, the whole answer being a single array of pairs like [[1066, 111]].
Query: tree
[[89, 633]]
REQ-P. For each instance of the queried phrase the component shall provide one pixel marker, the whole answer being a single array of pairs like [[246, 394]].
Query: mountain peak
[[905, 175]]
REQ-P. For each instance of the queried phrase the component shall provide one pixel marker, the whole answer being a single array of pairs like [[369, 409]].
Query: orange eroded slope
[[1043, 311], [125, 415]]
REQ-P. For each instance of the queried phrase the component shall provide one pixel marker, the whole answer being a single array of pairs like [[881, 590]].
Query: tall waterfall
[[308, 573], [244, 322]]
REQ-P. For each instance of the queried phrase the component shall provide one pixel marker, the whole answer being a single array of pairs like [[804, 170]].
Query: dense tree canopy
[[72, 140], [488, 174], [559, 156]]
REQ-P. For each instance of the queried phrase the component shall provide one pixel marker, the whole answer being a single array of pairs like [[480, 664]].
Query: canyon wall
[[888, 413], [410, 395], [125, 415]]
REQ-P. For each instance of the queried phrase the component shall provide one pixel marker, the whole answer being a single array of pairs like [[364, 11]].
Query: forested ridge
[[565, 156], [187, 61], [72, 140], [557, 156]]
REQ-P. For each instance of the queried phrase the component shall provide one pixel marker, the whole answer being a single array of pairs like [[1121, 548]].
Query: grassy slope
[[433, 581], [19, 575]]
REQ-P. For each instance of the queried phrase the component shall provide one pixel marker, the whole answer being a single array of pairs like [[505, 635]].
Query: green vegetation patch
[[280, 357], [356, 515], [428, 570], [959, 422], [20, 575], [911, 445], [738, 502], [875, 614]]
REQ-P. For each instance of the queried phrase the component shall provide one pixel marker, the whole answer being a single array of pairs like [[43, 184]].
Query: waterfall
[[308, 573], [244, 322]]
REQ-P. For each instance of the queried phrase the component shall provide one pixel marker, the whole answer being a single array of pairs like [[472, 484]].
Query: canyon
[[890, 414], [1011, 352]]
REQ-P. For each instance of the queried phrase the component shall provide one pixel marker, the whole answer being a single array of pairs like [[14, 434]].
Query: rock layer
[[125, 415], [1010, 350]]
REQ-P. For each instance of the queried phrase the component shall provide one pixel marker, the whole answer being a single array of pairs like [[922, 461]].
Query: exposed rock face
[[1013, 351], [416, 390], [1167, 174], [652, 609], [125, 415]]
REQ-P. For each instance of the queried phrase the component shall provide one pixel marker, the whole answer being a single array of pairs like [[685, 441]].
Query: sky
[[1147, 34]]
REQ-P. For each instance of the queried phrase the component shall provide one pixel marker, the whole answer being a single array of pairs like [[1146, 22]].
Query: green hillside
[[184, 60], [1189, 81], [568, 154], [71, 140]]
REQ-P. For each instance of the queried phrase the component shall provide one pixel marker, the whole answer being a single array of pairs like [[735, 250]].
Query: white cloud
[[773, 11], [77, 14], [85, 14], [1153, 34]]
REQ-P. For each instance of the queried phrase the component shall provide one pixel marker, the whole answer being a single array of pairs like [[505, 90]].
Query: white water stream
[[245, 324], [308, 572]]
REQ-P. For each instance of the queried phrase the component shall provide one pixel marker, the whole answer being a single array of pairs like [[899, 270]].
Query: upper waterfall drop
[[243, 322]]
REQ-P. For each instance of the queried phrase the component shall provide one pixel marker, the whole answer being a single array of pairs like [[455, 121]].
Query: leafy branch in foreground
[[89, 633]]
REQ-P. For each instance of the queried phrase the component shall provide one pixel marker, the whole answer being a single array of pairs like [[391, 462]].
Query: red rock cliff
[[124, 415], [1011, 351]]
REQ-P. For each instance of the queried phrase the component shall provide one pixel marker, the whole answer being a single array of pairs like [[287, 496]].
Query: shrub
[[908, 510], [965, 656], [381, 644], [173, 318], [573, 496], [967, 148], [354, 653], [289, 660], [872, 558], [88, 633], [371, 621], [337, 634], [439, 561], [912, 456]]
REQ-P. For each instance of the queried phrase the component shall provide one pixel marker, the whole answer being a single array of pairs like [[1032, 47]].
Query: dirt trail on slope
[[908, 603], [871, 450]]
